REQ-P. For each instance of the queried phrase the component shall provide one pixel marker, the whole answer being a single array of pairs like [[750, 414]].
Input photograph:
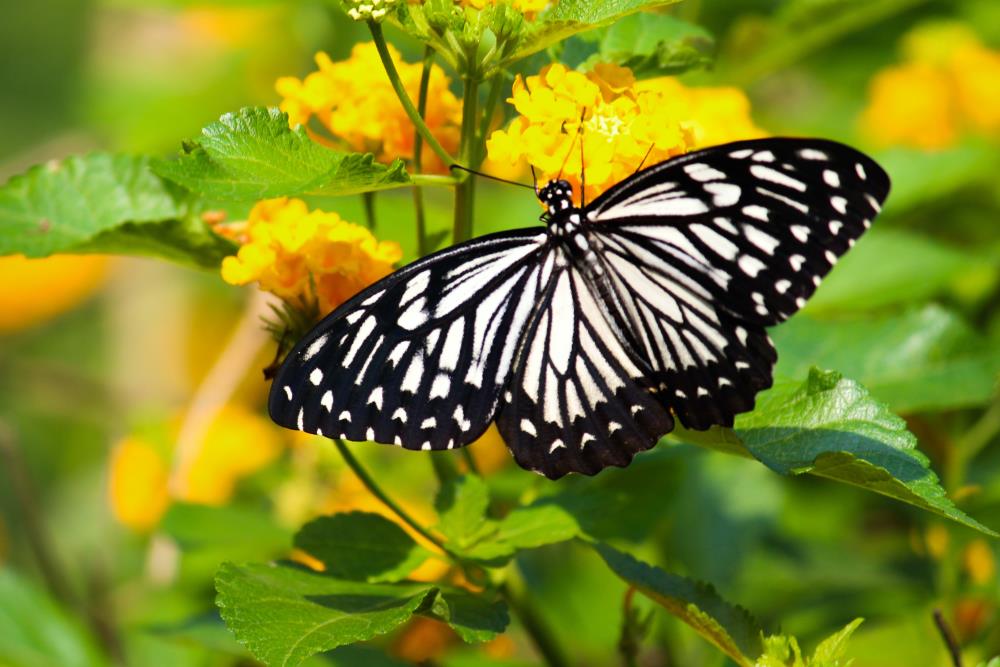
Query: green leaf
[[197, 526], [879, 272], [784, 651], [68, 205], [920, 176], [570, 17], [473, 617], [461, 506], [538, 524], [830, 652], [283, 615], [187, 241], [37, 633], [361, 546], [831, 427], [918, 360], [253, 154], [655, 44], [729, 627]]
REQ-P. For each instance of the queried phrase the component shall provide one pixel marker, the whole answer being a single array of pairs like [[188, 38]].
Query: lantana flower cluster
[[948, 84], [606, 123], [306, 257], [354, 102]]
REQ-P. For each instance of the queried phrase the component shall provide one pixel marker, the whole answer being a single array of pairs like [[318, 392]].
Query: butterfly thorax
[[561, 215]]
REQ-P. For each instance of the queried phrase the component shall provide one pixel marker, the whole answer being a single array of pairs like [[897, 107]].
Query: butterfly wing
[[698, 254], [418, 358], [576, 401]]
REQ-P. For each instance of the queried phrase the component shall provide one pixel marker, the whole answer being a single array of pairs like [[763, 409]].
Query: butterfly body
[[585, 340]]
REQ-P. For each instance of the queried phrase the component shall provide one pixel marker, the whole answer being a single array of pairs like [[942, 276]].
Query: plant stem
[[970, 444], [418, 146], [470, 461], [954, 650], [368, 199], [465, 191], [34, 531], [404, 98], [377, 491], [496, 84], [533, 624]]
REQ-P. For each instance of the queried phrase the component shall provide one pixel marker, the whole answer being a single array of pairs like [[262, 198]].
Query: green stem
[[377, 491], [470, 461], [404, 98], [418, 145], [492, 98], [465, 191], [368, 199], [534, 625], [432, 180], [970, 444]]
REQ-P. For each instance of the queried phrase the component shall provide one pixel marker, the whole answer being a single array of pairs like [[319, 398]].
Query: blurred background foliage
[[110, 536]]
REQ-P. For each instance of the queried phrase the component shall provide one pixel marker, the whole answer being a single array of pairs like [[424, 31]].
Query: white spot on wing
[[376, 397], [839, 204], [327, 401], [288, 392], [831, 178], [315, 347], [751, 265], [777, 177], [813, 154], [725, 194], [528, 427], [755, 211], [316, 376]]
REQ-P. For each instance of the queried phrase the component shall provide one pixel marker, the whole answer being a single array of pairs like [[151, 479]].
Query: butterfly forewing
[[755, 224], [419, 358]]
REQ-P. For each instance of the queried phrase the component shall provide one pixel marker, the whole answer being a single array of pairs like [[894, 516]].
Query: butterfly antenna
[[583, 165], [534, 178], [492, 178], [644, 158], [579, 129]]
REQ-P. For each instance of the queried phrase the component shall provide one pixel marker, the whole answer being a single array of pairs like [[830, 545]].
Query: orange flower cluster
[[355, 103], [947, 85], [611, 121], [306, 257]]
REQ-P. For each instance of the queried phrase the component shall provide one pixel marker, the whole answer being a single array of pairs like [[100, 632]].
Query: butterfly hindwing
[[418, 358], [576, 400]]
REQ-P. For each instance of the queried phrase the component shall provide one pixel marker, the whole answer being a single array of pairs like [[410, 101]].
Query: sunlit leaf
[[831, 427], [461, 506], [283, 615], [253, 154], [473, 617], [655, 44]]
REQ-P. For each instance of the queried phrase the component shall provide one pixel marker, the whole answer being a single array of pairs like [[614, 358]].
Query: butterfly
[[587, 338]]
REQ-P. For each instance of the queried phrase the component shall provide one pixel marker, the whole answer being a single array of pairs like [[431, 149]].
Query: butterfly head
[[557, 196]]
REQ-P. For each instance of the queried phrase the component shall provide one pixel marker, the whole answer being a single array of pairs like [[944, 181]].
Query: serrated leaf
[[729, 627], [879, 272], [253, 154], [918, 360], [283, 615], [461, 506], [570, 17], [831, 427], [66, 205], [473, 617], [655, 44], [830, 652], [37, 633], [361, 546]]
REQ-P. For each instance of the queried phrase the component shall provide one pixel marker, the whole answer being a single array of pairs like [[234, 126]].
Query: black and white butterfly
[[584, 340]]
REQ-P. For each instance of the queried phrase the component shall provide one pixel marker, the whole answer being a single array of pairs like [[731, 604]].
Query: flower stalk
[[418, 145], [465, 190]]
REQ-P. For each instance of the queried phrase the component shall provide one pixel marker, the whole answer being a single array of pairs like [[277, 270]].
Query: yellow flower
[[354, 101], [946, 86], [980, 562], [306, 256], [46, 287], [621, 121], [238, 443], [137, 484]]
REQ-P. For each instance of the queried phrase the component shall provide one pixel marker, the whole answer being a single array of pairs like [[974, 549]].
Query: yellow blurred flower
[[229, 26], [980, 562], [946, 86], [621, 120], [355, 102], [305, 256], [137, 484], [46, 287], [238, 443]]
